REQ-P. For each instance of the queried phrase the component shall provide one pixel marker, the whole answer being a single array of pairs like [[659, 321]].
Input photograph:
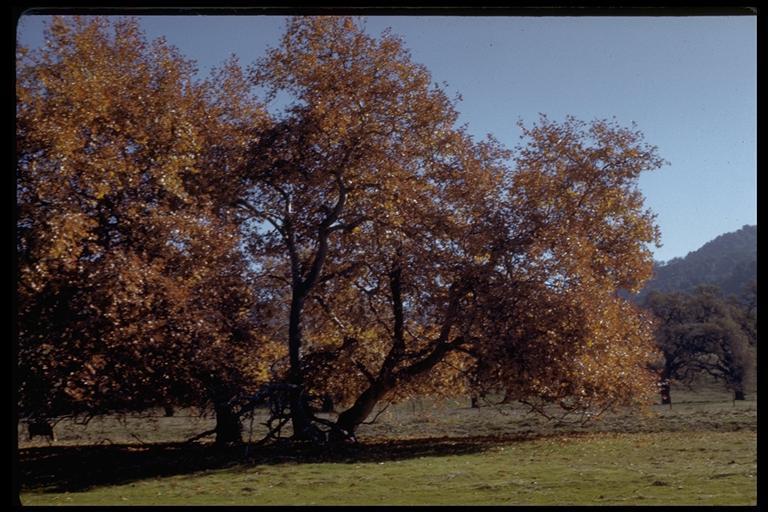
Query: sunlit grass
[[703, 468]]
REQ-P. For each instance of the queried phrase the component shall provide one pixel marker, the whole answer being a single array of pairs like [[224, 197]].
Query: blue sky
[[688, 82]]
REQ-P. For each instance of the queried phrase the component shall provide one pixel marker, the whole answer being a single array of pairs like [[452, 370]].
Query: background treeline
[[729, 262], [706, 307]]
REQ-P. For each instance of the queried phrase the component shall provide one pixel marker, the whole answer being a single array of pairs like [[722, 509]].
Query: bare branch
[[322, 238], [349, 226], [330, 313], [274, 221]]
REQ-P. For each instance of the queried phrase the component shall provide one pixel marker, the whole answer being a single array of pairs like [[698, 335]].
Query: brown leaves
[[539, 250], [131, 174], [129, 290], [582, 180]]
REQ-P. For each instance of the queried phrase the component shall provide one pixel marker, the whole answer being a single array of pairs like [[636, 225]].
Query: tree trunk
[[228, 426], [301, 417], [42, 428], [666, 398], [300, 414], [294, 336], [327, 404], [350, 419], [473, 402], [738, 394]]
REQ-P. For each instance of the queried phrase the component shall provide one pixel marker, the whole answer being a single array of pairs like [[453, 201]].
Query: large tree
[[409, 253], [131, 290], [395, 254]]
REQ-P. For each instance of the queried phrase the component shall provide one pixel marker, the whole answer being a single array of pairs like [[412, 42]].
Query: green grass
[[705, 468], [701, 451]]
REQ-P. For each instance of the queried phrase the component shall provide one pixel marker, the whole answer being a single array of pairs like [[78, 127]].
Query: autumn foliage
[[182, 240], [125, 269]]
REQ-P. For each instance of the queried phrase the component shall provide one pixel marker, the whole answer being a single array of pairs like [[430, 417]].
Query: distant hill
[[729, 262]]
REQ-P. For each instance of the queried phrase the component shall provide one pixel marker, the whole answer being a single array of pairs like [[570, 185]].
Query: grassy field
[[701, 451]]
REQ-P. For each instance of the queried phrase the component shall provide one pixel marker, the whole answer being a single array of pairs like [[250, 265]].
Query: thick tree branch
[[322, 238], [437, 354], [293, 253], [365, 371], [441, 345], [335, 212]]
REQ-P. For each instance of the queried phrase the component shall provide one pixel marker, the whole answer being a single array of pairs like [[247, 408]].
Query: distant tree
[[727, 341], [744, 307], [676, 350], [404, 251], [130, 280], [702, 333]]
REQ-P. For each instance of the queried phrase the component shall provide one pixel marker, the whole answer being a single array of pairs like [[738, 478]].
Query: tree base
[[228, 426]]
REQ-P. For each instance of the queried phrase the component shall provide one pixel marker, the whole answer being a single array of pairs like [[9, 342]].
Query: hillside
[[729, 262]]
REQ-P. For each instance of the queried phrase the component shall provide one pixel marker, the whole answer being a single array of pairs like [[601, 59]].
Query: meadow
[[700, 451]]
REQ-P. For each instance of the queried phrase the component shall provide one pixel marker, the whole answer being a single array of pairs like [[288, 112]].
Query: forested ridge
[[729, 262]]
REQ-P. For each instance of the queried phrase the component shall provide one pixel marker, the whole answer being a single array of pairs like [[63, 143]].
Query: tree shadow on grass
[[78, 468]]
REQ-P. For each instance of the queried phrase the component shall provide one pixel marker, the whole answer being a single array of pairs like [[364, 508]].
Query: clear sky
[[688, 82]]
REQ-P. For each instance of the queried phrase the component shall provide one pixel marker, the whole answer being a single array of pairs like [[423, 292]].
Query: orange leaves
[[584, 186], [123, 278], [419, 256]]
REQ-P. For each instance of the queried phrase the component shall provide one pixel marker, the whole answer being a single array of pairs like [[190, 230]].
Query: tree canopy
[[178, 235], [131, 285]]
